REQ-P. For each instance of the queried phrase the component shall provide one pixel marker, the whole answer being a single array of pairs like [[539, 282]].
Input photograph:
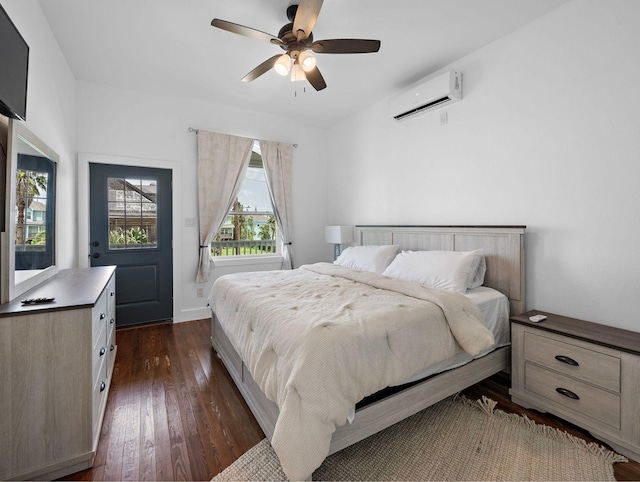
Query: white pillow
[[445, 270], [478, 270], [368, 258]]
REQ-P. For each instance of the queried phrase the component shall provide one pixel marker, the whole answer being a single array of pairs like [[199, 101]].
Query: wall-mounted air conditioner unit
[[441, 90]]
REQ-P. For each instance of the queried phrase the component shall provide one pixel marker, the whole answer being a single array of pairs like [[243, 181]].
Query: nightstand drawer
[[559, 354], [591, 401]]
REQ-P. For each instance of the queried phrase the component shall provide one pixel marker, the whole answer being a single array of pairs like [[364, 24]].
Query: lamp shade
[[338, 234], [283, 64], [307, 61]]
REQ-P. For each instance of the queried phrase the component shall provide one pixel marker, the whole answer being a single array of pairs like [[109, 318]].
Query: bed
[[402, 395]]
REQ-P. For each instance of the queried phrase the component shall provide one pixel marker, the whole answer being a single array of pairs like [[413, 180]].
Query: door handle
[[96, 255]]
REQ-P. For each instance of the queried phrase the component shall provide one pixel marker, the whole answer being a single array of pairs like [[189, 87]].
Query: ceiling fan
[[296, 39]]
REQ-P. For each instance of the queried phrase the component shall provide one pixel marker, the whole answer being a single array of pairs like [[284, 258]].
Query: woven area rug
[[455, 439]]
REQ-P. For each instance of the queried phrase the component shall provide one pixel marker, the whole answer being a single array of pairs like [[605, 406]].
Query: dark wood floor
[[173, 412]]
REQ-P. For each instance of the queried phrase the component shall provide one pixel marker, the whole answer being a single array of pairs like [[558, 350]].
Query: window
[[133, 214], [250, 226], [34, 212]]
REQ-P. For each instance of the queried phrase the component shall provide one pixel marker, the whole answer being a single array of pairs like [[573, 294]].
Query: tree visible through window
[[133, 213], [250, 226], [34, 229]]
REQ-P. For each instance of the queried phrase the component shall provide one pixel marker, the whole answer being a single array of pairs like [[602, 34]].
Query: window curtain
[[276, 158], [222, 162]]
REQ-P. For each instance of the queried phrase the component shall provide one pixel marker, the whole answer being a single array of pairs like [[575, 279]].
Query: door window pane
[[132, 214]]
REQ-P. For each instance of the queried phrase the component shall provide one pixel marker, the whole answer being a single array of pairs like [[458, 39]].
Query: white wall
[[547, 135], [51, 112], [151, 129]]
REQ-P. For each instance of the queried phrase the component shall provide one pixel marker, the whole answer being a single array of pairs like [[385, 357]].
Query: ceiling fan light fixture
[[307, 61], [297, 73], [283, 64], [296, 39]]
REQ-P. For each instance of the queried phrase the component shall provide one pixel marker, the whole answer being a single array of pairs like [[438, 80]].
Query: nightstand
[[586, 373]]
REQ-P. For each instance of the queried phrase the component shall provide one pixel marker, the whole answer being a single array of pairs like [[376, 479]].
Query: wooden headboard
[[503, 247]]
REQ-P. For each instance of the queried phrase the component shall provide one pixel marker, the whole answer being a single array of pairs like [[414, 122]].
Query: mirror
[[28, 244]]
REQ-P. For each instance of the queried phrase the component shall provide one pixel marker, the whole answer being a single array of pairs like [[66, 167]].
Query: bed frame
[[503, 247]]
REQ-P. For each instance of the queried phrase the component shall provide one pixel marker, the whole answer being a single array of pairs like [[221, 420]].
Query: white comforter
[[320, 338]]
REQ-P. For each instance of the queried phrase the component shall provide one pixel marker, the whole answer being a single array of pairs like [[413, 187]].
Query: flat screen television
[[14, 65]]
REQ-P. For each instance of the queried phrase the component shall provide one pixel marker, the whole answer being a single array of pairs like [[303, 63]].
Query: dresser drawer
[[111, 327], [99, 392], [99, 355], [111, 349], [558, 353], [99, 320], [111, 300], [592, 402]]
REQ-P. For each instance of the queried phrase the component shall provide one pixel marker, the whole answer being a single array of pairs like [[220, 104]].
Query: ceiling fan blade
[[245, 31], [306, 17], [315, 78], [345, 46], [261, 69]]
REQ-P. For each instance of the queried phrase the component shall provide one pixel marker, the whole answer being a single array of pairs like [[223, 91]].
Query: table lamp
[[338, 235]]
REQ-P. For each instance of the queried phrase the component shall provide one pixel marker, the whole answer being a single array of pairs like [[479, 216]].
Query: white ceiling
[[169, 47]]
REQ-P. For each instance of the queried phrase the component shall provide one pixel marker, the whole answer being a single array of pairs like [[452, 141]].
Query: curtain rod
[[191, 129]]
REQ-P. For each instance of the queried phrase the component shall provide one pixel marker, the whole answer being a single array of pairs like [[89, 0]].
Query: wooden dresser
[[586, 373], [56, 362]]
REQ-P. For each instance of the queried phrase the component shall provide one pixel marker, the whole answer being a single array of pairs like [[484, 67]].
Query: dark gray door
[[130, 227]]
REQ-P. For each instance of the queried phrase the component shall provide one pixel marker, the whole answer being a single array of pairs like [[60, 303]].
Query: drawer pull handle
[[102, 351], [102, 386], [567, 393], [112, 321], [103, 316], [567, 360], [111, 348]]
